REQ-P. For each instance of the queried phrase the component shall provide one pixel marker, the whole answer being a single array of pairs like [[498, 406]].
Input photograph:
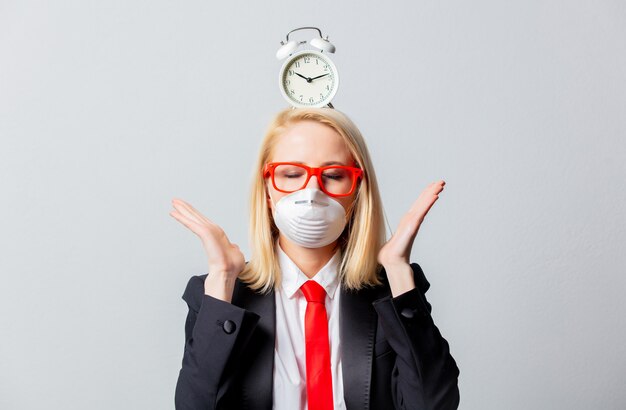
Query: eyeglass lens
[[336, 181]]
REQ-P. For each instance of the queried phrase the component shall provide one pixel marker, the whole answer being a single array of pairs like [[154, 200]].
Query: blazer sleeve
[[425, 376], [215, 332]]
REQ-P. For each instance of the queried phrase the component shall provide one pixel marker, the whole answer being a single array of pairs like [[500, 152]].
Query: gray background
[[110, 109]]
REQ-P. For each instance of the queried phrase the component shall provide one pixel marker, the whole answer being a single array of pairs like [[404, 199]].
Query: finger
[[431, 190], [437, 189], [188, 222], [411, 221], [427, 206], [180, 208], [198, 213], [214, 229], [437, 186], [187, 205], [424, 196], [440, 185], [421, 207], [410, 224], [190, 211], [207, 236]]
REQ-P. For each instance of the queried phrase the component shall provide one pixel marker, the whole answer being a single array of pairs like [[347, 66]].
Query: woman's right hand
[[226, 260]]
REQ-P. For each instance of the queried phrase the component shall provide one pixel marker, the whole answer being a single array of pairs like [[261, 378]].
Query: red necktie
[[319, 385]]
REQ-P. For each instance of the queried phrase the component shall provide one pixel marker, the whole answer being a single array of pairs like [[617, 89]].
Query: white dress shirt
[[290, 350]]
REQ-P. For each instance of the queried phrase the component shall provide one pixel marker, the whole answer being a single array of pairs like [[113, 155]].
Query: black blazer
[[393, 354]]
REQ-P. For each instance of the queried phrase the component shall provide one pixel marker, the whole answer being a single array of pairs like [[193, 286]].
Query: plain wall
[[109, 109]]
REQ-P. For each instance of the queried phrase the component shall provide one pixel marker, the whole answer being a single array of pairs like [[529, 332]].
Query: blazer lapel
[[257, 376], [357, 327]]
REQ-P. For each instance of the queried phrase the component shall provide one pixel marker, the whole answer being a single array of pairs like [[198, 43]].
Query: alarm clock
[[308, 78]]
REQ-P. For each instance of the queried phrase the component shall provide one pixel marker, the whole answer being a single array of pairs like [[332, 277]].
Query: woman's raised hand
[[398, 249], [226, 260], [395, 254]]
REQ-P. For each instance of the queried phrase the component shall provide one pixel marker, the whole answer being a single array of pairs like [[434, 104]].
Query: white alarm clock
[[308, 78]]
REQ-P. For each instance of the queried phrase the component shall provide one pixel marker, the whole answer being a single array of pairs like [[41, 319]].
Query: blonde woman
[[326, 314]]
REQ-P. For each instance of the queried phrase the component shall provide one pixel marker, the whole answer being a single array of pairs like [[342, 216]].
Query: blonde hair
[[364, 234]]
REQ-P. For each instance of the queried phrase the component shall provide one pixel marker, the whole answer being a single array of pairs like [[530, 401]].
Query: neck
[[308, 260]]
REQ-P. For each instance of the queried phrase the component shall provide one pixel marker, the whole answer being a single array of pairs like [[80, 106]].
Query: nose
[[313, 183]]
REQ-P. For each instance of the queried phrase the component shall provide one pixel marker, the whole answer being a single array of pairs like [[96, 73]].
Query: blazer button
[[229, 326], [408, 313]]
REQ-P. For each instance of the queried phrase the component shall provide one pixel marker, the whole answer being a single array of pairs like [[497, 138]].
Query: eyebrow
[[324, 164]]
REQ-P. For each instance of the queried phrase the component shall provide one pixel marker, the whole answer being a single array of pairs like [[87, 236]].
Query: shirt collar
[[293, 277]]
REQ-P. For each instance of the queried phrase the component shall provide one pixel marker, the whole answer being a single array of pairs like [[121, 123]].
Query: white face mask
[[310, 218]]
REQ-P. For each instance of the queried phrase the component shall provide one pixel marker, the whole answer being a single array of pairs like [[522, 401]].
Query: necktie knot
[[313, 291]]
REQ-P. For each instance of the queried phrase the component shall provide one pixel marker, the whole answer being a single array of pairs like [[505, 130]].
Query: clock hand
[[308, 80], [319, 76]]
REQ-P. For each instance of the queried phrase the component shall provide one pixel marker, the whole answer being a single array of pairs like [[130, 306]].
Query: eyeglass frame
[[268, 171]]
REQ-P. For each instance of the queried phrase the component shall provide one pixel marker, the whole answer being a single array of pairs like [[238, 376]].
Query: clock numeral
[[301, 97], [307, 60], [321, 95], [317, 61], [297, 64], [290, 72], [311, 99], [288, 82], [328, 87], [292, 92]]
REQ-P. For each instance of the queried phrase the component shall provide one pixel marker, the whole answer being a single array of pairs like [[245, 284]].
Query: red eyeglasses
[[334, 180]]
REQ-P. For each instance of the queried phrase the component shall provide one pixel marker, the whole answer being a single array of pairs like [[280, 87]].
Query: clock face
[[308, 79]]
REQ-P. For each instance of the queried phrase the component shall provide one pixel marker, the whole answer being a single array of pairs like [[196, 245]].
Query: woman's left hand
[[397, 250]]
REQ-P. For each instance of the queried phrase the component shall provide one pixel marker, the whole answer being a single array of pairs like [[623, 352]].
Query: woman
[[325, 314]]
